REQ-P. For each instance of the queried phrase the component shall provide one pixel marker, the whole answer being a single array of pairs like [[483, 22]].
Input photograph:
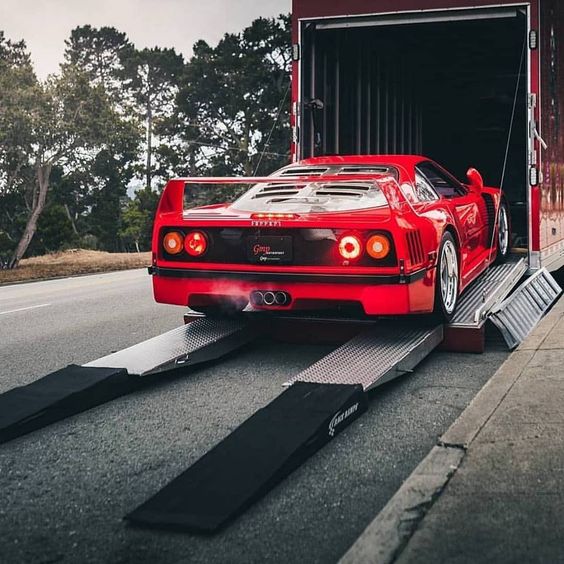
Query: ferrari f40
[[379, 235]]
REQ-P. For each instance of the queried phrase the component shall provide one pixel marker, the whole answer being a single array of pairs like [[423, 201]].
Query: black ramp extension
[[58, 395], [254, 458]]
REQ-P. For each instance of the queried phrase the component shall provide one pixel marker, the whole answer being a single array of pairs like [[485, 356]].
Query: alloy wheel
[[449, 276], [503, 232]]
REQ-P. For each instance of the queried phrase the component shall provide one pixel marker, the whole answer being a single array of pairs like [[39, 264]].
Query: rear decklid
[[323, 193]]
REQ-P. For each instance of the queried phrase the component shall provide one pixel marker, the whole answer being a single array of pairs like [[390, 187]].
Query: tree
[[153, 76], [134, 225], [233, 104], [18, 91], [20, 97], [70, 146], [109, 177], [54, 231], [100, 53], [102, 185], [138, 219], [61, 122]]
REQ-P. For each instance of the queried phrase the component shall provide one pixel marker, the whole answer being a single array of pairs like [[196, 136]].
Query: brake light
[[378, 246], [172, 242], [350, 247], [274, 216], [195, 243]]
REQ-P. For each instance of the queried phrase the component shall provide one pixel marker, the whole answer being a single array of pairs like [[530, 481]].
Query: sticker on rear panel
[[268, 250]]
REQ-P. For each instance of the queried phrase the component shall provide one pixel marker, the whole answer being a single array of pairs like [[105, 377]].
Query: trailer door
[[548, 142], [450, 85]]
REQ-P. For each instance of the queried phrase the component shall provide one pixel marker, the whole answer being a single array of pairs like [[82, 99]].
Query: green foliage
[[134, 225], [54, 231], [152, 77], [6, 245], [101, 186], [138, 220], [73, 146], [100, 54], [234, 102], [21, 99]]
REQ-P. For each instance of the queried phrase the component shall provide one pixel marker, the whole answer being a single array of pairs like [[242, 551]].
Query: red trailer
[[464, 83]]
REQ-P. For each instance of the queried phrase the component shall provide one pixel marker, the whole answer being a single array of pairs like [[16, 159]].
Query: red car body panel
[[406, 286]]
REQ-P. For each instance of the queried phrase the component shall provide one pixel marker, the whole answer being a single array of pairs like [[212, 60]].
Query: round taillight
[[378, 247], [350, 247], [172, 242], [195, 243]]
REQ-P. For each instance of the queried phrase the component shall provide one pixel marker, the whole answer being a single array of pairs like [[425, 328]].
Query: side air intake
[[415, 247], [490, 210]]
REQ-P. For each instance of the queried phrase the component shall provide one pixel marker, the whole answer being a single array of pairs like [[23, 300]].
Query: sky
[[45, 24]]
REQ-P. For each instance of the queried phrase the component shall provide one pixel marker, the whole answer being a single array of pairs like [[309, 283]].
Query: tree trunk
[[137, 245], [43, 172], [149, 145], [71, 219], [244, 144]]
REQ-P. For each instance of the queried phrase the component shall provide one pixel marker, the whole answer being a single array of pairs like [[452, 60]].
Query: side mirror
[[475, 180]]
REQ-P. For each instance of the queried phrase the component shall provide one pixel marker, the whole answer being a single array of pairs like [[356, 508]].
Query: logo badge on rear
[[265, 223]]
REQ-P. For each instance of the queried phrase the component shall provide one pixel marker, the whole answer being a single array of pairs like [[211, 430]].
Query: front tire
[[503, 233], [446, 280]]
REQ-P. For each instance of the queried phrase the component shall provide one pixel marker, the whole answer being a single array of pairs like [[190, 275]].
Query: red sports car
[[387, 235]]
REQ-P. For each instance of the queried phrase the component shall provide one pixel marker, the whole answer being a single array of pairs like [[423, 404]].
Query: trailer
[[464, 83]]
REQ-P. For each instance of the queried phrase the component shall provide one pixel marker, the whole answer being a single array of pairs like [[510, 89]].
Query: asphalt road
[[66, 488]]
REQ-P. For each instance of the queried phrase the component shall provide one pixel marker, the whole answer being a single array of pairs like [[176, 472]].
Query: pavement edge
[[385, 537]]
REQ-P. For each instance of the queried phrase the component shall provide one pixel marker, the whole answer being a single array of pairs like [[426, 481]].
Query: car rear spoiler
[[172, 199]]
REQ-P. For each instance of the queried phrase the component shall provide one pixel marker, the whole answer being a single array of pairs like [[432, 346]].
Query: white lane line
[[46, 288], [23, 309]]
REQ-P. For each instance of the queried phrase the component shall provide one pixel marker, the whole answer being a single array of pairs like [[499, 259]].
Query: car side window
[[423, 189], [445, 184]]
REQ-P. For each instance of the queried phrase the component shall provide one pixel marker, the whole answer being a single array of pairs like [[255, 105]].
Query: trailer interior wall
[[552, 131], [444, 89]]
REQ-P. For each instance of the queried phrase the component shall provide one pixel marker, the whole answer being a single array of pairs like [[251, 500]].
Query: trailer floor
[[67, 487]]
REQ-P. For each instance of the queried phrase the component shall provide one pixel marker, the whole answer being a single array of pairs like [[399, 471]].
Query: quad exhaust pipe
[[281, 298], [270, 298]]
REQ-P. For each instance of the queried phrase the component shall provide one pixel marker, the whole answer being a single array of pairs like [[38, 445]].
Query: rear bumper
[[377, 294]]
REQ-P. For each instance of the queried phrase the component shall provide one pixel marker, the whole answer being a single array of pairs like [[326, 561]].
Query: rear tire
[[446, 280], [503, 233]]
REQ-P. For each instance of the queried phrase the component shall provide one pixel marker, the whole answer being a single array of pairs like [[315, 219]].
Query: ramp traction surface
[[188, 345]]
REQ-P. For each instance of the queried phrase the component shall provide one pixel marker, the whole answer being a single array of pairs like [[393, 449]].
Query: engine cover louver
[[304, 171]]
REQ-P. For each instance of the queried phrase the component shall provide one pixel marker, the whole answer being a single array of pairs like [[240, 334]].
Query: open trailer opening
[[448, 85]]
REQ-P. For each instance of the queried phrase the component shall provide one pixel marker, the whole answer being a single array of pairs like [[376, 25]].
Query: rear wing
[[172, 198]]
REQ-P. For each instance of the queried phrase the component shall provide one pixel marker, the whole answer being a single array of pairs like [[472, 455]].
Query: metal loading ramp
[[466, 332], [196, 342], [517, 316], [320, 402], [376, 356]]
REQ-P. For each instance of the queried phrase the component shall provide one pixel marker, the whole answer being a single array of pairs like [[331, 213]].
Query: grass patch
[[73, 262]]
